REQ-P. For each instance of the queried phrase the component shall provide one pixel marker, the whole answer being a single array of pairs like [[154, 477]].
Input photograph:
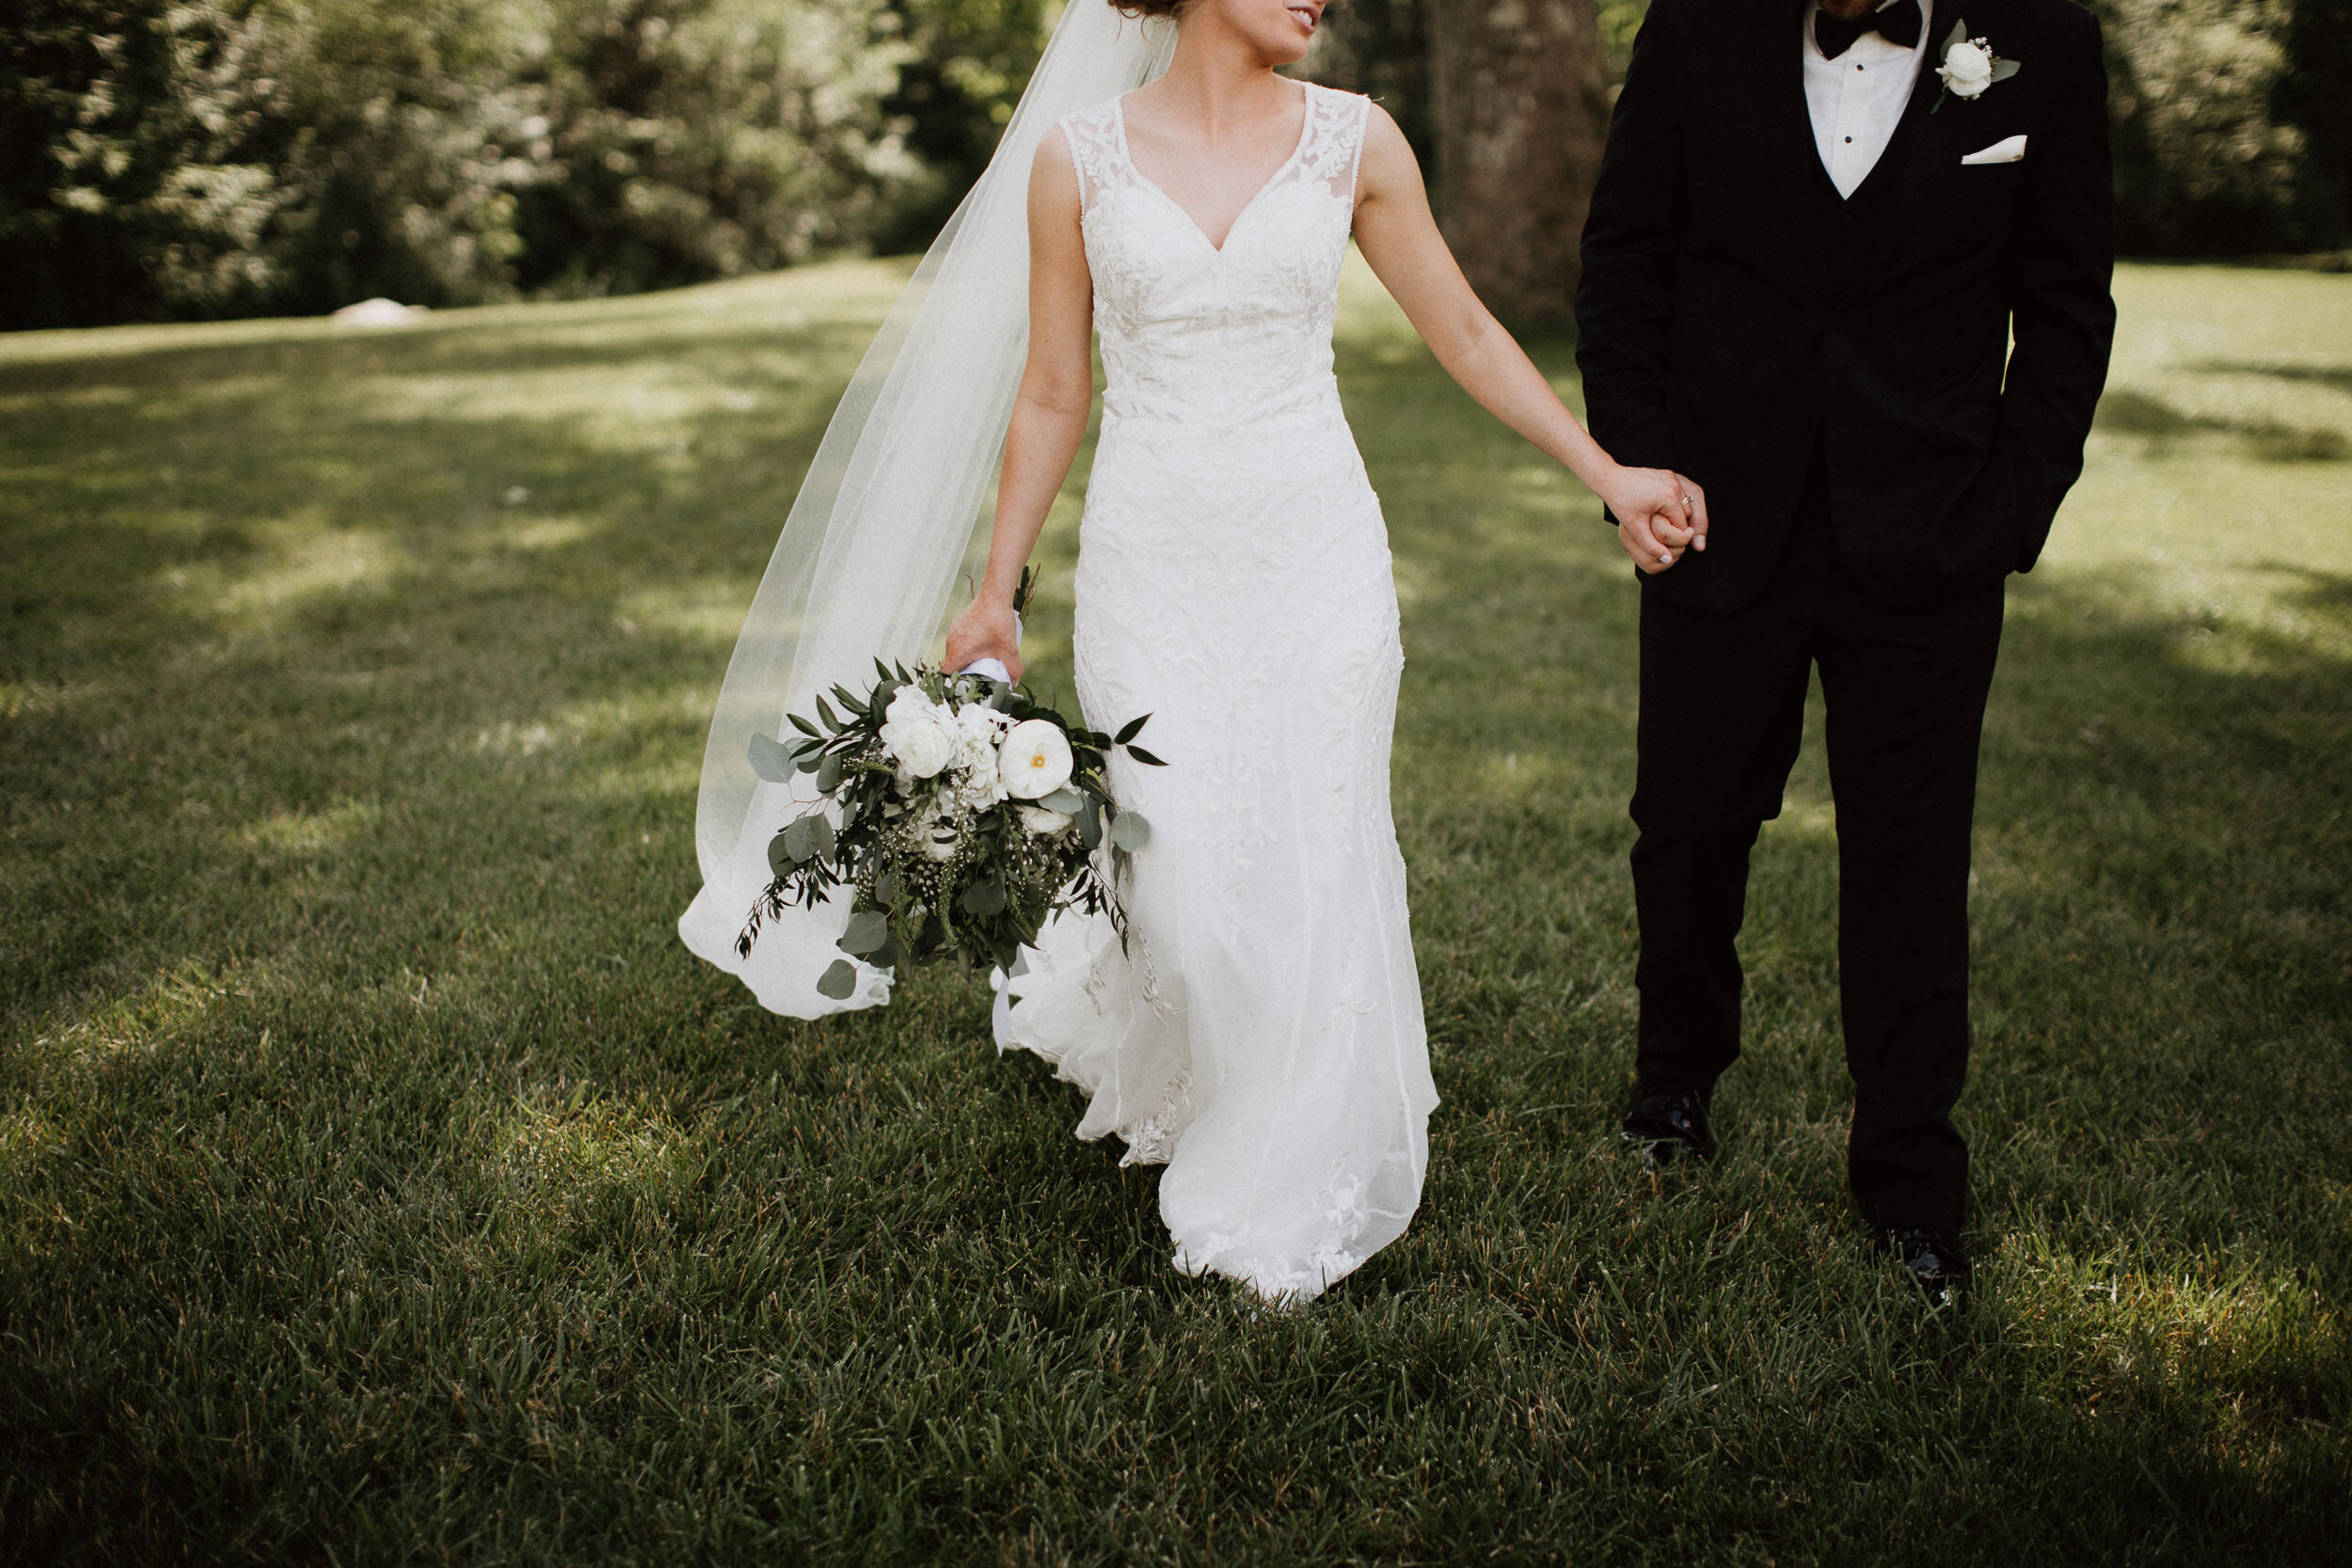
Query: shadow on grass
[[2337, 378], [2124, 412]]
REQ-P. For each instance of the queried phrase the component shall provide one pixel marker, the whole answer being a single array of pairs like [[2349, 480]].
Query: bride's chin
[[1287, 52]]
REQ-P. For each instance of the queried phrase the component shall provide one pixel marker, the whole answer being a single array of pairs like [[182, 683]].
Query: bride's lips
[[1308, 15]]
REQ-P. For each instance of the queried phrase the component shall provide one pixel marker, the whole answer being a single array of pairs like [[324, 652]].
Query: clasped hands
[[1659, 515]]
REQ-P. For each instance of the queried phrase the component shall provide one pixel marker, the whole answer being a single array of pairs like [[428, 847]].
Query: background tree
[[1520, 95]]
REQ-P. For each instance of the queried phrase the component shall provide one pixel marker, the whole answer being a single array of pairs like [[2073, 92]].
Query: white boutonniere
[[1970, 66]]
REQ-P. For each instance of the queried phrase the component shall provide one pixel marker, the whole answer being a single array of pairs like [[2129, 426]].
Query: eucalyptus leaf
[[772, 759], [1064, 799], [838, 982], [798, 841], [887, 888], [820, 835], [1958, 35], [829, 775], [869, 930], [1130, 831], [984, 898], [1091, 824], [2004, 70], [779, 858]]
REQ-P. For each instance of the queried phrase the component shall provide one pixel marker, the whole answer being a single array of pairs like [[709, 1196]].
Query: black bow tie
[[1897, 23]]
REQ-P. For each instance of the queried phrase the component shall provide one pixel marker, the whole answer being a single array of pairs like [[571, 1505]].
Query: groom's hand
[[1661, 520], [1695, 511]]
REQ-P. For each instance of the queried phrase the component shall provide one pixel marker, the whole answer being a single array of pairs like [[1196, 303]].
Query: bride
[[1259, 1031]]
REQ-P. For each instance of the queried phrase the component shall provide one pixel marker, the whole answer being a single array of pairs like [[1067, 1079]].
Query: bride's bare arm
[[1049, 414], [1400, 238]]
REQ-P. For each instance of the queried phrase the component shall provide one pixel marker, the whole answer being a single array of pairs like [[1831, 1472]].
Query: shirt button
[[1849, 141]]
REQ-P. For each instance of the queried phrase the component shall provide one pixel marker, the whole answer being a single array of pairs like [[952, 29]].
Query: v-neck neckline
[[1306, 128]]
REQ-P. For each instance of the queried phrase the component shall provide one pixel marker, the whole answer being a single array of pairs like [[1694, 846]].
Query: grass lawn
[[381, 1182]]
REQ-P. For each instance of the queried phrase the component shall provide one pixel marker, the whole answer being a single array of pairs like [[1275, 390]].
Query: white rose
[[1045, 823], [1967, 68], [918, 734], [921, 750], [1035, 759]]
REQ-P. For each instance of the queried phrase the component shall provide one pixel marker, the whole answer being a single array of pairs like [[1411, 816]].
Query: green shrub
[[252, 157]]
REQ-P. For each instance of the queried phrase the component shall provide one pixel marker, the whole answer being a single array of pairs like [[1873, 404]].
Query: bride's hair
[[1150, 7]]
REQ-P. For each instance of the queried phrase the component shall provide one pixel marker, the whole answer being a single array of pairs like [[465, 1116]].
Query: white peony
[[1044, 822], [1035, 759], [919, 734], [1967, 68]]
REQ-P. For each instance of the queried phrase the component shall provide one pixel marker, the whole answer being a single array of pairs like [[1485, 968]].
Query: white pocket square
[[2010, 150]]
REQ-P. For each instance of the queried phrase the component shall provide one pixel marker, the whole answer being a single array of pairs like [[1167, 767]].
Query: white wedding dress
[[1261, 1034]]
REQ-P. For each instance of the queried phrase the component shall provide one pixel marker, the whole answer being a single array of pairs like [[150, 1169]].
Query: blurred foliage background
[[166, 159]]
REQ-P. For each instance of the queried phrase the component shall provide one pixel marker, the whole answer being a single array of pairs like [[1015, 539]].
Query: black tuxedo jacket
[[1735, 316]]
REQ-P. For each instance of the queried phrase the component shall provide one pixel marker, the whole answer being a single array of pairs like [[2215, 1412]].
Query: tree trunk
[[1522, 107]]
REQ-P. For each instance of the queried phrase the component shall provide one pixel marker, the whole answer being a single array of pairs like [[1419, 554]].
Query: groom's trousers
[[1722, 716]]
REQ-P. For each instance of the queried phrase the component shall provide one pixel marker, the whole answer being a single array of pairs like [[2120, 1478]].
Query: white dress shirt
[[1857, 99]]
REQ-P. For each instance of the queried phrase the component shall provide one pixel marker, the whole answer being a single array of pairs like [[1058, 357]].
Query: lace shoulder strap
[[1332, 149], [1093, 138]]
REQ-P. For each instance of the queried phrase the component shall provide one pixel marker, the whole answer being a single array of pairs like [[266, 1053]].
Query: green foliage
[[124, 181], [249, 156], [967, 62], [673, 140], [2203, 162], [380, 1181]]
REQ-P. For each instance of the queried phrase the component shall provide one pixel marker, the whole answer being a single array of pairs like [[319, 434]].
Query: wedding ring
[[1686, 503]]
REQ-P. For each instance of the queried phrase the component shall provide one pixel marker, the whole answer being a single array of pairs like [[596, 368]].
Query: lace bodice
[[1220, 338]]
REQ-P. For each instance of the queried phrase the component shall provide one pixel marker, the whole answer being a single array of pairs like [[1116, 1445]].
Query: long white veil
[[870, 553]]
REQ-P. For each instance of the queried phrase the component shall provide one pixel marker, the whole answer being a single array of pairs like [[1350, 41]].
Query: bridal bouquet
[[959, 810]]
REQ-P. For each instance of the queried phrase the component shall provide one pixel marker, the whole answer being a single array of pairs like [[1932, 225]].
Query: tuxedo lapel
[[1772, 57], [1783, 117]]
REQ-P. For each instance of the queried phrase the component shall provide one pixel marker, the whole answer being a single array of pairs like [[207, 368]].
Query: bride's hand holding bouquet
[[990, 628]]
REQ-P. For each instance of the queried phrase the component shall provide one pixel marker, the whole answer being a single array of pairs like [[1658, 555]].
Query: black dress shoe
[[1934, 1262], [1670, 1126]]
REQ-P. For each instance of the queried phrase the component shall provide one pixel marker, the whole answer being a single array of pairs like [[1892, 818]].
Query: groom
[[1819, 226]]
